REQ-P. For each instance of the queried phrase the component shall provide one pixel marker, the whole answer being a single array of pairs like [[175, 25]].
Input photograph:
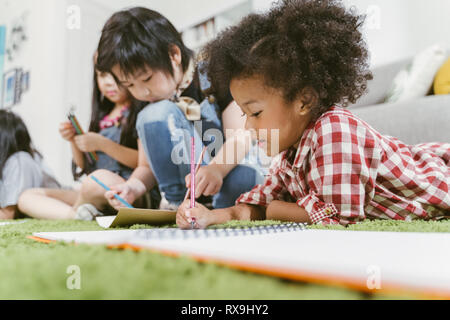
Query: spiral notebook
[[396, 262], [112, 237]]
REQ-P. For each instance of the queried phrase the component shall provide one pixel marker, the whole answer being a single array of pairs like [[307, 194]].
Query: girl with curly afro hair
[[293, 71]]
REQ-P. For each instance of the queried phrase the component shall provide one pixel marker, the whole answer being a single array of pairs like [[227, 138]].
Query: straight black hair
[[140, 37], [101, 107], [14, 137]]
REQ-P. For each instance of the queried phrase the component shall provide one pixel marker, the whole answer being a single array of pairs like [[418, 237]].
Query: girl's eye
[[129, 86], [148, 79], [255, 115]]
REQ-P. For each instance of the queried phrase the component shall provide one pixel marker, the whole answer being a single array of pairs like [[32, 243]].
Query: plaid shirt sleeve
[[342, 171], [263, 194]]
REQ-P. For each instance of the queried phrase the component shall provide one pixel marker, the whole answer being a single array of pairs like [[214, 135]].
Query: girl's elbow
[[135, 163]]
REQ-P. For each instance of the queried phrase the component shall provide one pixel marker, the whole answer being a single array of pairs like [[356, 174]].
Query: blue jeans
[[165, 134]]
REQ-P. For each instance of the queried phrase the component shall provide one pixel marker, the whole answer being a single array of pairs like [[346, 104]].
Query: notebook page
[[122, 236], [418, 260], [89, 237]]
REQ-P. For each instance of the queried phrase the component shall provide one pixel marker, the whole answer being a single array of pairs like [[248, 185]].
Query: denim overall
[[106, 162]]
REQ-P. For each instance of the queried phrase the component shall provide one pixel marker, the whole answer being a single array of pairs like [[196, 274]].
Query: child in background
[[294, 69], [147, 55], [112, 136], [21, 166]]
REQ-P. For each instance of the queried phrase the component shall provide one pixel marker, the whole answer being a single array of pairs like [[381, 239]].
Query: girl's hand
[[89, 142], [208, 181], [122, 190], [185, 214], [67, 131]]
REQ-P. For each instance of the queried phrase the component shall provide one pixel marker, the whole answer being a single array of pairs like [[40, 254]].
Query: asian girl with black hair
[[112, 136], [21, 166]]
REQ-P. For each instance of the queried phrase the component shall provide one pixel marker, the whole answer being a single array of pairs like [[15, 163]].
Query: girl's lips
[[111, 93]]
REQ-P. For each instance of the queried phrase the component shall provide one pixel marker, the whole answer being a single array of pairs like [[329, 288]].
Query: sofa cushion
[[442, 81], [417, 79], [378, 87], [418, 121]]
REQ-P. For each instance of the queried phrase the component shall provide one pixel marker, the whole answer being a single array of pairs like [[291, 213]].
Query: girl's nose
[[142, 93], [109, 78]]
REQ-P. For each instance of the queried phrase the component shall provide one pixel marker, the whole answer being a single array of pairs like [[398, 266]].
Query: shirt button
[[212, 99]]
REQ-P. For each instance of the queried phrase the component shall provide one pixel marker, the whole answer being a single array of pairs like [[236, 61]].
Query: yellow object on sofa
[[442, 80]]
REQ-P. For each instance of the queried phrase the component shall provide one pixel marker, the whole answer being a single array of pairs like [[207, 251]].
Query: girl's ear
[[175, 54], [308, 99]]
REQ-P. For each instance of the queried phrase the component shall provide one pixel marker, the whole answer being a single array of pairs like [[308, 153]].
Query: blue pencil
[[116, 196]]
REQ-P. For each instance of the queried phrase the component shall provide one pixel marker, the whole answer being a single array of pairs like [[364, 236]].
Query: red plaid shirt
[[345, 171]]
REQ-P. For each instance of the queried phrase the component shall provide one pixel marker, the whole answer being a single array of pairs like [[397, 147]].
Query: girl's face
[[153, 85], [265, 109], [109, 88]]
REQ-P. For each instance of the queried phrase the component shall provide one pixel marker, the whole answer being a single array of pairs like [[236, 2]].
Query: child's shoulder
[[336, 115], [20, 163], [338, 121], [335, 126], [20, 157], [338, 129]]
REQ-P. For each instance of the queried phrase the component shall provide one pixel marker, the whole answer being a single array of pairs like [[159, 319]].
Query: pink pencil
[[192, 172], [199, 163]]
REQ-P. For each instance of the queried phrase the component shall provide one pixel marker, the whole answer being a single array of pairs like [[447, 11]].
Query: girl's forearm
[[242, 212], [141, 181], [78, 157], [285, 211], [126, 156]]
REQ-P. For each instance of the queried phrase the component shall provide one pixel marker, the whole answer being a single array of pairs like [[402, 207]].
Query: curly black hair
[[297, 44]]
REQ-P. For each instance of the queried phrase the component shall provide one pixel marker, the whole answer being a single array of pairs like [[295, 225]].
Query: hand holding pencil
[[208, 179], [67, 131], [92, 156], [192, 215], [200, 215], [191, 189]]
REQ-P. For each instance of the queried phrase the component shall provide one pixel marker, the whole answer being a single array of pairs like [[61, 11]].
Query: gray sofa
[[426, 119]]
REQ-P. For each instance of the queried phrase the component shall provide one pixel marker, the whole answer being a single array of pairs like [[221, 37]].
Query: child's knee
[[157, 112], [90, 189], [28, 194]]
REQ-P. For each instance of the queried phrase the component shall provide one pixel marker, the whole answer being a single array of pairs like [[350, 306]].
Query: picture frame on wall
[[15, 83], [9, 88], [25, 81]]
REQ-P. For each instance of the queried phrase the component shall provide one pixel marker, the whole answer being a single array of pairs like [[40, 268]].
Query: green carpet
[[32, 270]]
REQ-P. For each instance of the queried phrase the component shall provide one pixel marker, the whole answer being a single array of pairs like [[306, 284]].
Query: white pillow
[[417, 79]]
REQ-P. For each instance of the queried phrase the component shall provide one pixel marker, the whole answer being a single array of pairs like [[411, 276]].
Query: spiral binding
[[172, 233]]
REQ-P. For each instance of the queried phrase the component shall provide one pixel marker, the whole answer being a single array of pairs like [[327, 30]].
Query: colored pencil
[[115, 195], [199, 163], [92, 155], [192, 172]]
